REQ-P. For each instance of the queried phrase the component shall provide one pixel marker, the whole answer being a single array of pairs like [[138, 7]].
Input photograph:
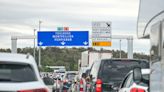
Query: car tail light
[[65, 81], [64, 90], [99, 85], [81, 86], [34, 90], [137, 90]]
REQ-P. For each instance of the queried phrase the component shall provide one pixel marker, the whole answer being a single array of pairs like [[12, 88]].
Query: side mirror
[[91, 77], [137, 75], [116, 88], [84, 75]]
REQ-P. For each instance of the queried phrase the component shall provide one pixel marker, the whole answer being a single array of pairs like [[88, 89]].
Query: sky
[[21, 17]]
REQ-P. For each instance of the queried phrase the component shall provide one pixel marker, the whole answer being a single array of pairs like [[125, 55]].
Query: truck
[[88, 57], [151, 26]]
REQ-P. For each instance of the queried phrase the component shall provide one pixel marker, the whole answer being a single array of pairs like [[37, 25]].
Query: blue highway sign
[[63, 38]]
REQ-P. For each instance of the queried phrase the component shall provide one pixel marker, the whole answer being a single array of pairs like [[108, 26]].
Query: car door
[[94, 73], [127, 83]]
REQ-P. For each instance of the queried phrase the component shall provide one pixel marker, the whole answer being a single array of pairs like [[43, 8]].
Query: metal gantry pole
[[130, 48], [120, 48], [39, 62], [14, 40], [13, 45], [130, 43], [34, 44]]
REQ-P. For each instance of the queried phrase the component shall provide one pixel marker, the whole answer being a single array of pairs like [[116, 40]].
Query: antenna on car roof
[[28, 55]]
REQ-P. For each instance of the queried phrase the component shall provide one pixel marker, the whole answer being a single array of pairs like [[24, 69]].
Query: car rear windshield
[[116, 70], [16, 73], [70, 76]]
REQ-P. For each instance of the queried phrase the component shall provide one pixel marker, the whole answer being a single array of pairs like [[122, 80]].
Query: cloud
[[21, 17], [50, 9], [72, 12]]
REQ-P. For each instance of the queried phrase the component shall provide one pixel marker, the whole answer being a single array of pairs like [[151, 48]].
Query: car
[[85, 84], [82, 70], [57, 86], [74, 87], [68, 80], [19, 73], [49, 82], [81, 84], [61, 73], [107, 74], [130, 85]]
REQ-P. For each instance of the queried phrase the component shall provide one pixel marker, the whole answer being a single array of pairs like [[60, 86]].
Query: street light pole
[[39, 63], [120, 48], [34, 43]]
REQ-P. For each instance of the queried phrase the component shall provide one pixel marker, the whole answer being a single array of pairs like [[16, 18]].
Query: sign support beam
[[128, 38], [129, 43], [14, 42]]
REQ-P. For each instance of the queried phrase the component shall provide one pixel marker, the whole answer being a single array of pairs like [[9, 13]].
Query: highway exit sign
[[63, 38]]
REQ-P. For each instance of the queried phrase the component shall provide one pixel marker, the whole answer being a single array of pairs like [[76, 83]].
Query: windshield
[[16, 73], [116, 70], [149, 9]]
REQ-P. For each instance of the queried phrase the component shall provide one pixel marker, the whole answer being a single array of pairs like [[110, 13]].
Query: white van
[[151, 26]]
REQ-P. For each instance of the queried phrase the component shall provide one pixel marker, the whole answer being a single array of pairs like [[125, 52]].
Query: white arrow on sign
[[63, 43], [40, 43], [85, 43]]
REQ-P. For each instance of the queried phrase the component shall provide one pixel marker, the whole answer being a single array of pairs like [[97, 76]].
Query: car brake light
[[81, 85], [99, 85], [65, 81], [137, 90], [34, 90]]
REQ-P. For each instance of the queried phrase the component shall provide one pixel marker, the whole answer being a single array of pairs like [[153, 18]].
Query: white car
[[57, 85], [128, 84], [19, 73]]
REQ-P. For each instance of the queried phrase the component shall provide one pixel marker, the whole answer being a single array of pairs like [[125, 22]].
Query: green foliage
[[68, 57], [45, 69]]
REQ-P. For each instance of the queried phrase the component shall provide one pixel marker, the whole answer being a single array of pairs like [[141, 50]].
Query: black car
[[107, 74]]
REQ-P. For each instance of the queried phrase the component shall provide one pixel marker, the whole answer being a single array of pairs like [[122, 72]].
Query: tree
[[68, 57]]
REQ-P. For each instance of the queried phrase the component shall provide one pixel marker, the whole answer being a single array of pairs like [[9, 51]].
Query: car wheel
[[53, 91]]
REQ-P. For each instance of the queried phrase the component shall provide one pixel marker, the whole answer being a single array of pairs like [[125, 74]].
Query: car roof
[[16, 58], [124, 59], [72, 72]]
